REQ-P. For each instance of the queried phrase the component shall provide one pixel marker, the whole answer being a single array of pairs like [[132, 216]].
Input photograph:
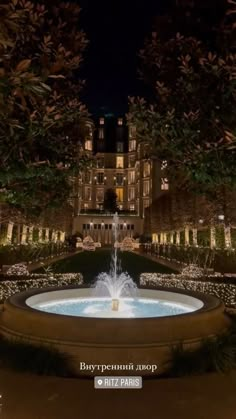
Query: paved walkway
[[30, 397]]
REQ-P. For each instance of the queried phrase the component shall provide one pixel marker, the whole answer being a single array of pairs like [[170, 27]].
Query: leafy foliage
[[41, 117], [16, 254], [220, 260], [190, 120], [41, 360], [217, 355]]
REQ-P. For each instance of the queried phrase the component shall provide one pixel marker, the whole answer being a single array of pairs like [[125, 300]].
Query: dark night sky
[[116, 30]]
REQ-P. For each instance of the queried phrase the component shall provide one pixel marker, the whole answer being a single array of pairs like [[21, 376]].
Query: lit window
[[100, 195], [101, 134], [132, 145], [146, 169], [89, 145], [164, 184], [146, 188], [119, 162], [101, 121], [131, 194], [154, 238], [131, 177], [100, 178], [120, 194], [120, 121], [120, 147], [163, 164]]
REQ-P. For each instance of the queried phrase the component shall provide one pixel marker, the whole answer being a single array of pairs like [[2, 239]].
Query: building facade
[[121, 164]]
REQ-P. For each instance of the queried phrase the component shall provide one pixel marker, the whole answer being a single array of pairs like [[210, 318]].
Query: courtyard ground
[[31, 397]]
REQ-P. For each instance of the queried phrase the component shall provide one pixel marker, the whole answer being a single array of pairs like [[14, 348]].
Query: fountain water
[[115, 295], [115, 226], [115, 284], [125, 329]]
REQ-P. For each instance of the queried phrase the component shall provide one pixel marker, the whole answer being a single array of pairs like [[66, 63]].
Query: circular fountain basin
[[143, 331], [154, 305]]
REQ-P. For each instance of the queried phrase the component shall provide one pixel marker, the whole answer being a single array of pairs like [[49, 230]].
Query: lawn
[[90, 264]]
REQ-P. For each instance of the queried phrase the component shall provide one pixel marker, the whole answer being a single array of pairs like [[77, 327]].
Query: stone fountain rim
[[209, 303]]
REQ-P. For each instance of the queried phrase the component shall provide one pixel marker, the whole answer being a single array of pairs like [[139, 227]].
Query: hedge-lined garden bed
[[12, 254], [220, 260], [217, 287], [10, 285]]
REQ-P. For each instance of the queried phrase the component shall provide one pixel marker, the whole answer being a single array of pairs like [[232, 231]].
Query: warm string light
[[10, 287], [223, 291], [18, 269], [192, 271]]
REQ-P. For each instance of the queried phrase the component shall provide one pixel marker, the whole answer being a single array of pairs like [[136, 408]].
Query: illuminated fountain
[[115, 323], [116, 285], [115, 295]]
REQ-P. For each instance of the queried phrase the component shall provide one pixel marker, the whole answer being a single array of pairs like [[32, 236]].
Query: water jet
[[114, 324]]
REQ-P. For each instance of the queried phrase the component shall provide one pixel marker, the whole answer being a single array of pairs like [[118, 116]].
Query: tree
[[191, 120], [110, 201], [41, 115]]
